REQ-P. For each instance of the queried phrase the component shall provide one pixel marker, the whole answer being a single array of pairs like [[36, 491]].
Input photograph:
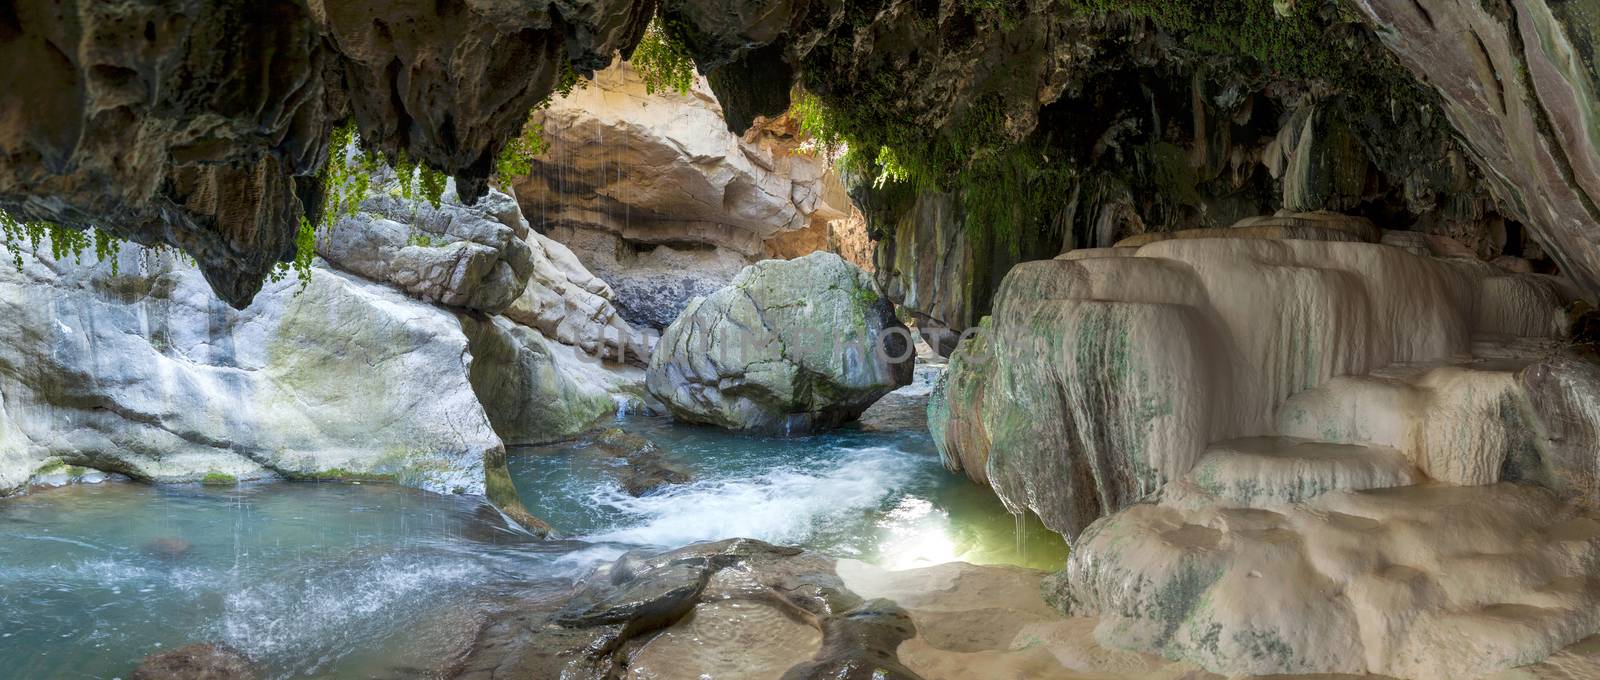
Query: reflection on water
[[375, 581], [880, 497]]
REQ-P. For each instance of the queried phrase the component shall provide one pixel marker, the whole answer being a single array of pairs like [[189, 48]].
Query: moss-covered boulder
[[791, 346]]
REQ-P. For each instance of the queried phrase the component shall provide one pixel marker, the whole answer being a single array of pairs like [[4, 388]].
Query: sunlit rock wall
[[655, 196]]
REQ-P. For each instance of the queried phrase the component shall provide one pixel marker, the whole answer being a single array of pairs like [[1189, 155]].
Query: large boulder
[[535, 390], [144, 371], [790, 345], [134, 366], [474, 257]]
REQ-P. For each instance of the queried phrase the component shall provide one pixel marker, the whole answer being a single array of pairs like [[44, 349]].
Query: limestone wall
[[1102, 378]]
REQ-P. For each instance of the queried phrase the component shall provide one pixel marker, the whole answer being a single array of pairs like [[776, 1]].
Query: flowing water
[[879, 497], [375, 581]]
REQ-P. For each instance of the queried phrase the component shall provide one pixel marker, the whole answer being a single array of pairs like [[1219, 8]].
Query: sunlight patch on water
[[917, 535]]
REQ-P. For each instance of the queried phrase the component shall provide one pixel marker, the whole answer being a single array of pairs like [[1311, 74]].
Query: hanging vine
[[20, 235]]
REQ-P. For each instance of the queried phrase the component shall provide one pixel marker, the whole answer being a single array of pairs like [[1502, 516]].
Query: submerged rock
[[200, 661], [790, 346], [641, 467], [169, 547]]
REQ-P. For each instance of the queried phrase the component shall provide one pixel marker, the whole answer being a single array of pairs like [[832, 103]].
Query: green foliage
[[1012, 189], [64, 241], [420, 240], [663, 61], [347, 181], [516, 157], [1286, 38]]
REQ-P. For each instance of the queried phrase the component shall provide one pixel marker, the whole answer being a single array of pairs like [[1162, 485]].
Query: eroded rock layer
[[1519, 82], [204, 124]]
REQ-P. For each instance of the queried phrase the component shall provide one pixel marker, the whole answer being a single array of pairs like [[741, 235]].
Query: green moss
[[339, 474], [219, 479], [1013, 188]]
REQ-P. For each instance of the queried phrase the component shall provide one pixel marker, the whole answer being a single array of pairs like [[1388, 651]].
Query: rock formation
[[789, 346], [572, 306], [386, 363], [1246, 430], [150, 121], [203, 125], [653, 193], [736, 607], [471, 257], [1519, 82]]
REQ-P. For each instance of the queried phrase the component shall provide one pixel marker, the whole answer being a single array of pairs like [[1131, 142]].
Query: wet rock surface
[[790, 346], [1382, 482], [1110, 344], [1415, 582], [641, 467], [732, 607]]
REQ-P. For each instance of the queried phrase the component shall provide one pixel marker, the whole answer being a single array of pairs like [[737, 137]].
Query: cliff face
[[1519, 83], [655, 196]]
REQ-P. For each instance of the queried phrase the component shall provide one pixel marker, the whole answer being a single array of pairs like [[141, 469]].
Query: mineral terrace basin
[[341, 580]]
